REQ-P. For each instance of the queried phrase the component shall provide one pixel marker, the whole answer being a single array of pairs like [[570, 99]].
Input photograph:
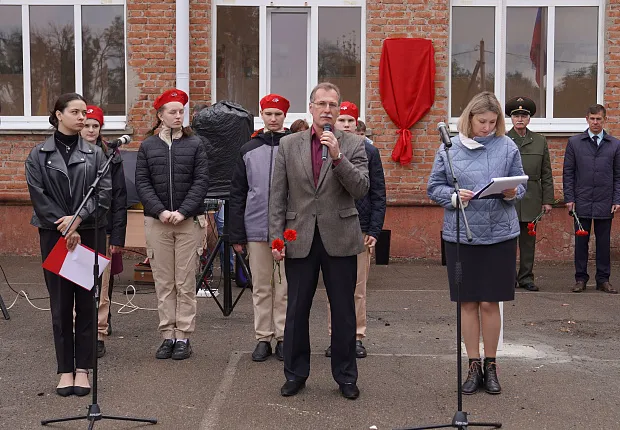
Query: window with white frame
[[287, 49], [51, 47], [549, 51]]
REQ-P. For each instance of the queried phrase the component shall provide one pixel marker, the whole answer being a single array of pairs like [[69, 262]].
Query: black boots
[[477, 379], [474, 377], [491, 384]]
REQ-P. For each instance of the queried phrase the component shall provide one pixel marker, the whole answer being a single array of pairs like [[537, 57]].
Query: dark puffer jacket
[[592, 175], [173, 178], [371, 207]]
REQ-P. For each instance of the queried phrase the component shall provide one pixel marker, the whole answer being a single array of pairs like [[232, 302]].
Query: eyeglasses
[[323, 105]]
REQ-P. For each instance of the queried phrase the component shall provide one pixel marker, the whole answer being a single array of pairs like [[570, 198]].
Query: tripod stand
[[5, 311], [460, 420], [224, 240], [94, 411]]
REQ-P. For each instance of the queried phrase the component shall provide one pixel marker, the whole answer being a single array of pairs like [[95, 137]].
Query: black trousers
[[339, 276], [602, 231], [72, 351]]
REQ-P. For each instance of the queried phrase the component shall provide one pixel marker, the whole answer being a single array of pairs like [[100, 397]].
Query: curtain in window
[[407, 87]]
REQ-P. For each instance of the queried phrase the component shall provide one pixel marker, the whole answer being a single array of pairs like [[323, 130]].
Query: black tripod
[[460, 420], [224, 240], [94, 411], [5, 311]]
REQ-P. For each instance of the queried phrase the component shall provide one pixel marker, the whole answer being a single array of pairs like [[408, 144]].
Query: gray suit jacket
[[297, 204]]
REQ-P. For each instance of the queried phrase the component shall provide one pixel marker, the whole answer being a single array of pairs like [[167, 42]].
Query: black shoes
[[290, 388], [182, 350], [280, 351], [474, 377], [165, 350], [360, 350], [349, 391], [262, 351], [491, 384], [100, 348], [65, 391], [530, 287], [79, 390]]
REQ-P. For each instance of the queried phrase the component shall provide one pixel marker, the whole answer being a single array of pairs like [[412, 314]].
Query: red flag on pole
[[536, 47]]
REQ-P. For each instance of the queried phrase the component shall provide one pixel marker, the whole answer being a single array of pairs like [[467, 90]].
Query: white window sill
[[40, 124], [567, 126]]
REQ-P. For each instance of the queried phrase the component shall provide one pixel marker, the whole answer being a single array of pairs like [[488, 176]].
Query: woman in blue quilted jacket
[[481, 151]]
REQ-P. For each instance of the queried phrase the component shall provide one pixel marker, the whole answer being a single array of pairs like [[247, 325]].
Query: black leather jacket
[[48, 177]]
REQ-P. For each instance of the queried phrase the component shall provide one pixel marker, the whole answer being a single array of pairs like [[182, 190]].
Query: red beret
[[173, 95], [274, 101], [348, 108], [94, 112]]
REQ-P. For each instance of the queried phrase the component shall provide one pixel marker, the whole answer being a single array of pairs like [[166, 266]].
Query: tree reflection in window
[[103, 57], [11, 61]]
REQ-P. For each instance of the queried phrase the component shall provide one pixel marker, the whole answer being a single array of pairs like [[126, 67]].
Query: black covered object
[[223, 128], [129, 168]]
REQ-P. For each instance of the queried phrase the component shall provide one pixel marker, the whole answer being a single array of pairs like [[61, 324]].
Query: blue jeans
[[219, 222]]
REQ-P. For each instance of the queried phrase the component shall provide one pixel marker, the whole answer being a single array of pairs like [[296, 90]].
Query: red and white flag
[[75, 266]]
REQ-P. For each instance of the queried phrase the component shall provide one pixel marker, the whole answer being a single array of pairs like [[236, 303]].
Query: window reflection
[[52, 55], [340, 50], [103, 57], [11, 61], [576, 59], [526, 55], [237, 56], [473, 54], [289, 58]]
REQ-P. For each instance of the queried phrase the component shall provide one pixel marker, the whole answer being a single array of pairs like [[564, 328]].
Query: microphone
[[123, 140], [326, 127], [443, 133]]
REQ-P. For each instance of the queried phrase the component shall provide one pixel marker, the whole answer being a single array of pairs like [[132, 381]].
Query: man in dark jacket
[[249, 225], [592, 190], [371, 210], [539, 194]]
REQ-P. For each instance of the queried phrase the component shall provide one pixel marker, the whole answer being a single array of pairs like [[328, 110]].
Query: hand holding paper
[[75, 266], [495, 189]]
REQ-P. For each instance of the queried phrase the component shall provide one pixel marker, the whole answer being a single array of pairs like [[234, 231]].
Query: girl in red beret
[[117, 217], [172, 181]]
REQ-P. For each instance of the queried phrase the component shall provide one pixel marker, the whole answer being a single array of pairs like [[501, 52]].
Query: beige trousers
[[104, 299], [268, 293], [363, 268], [173, 252]]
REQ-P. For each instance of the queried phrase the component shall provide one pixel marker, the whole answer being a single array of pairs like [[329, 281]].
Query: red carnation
[[532, 233], [277, 244], [581, 233], [531, 226], [290, 235]]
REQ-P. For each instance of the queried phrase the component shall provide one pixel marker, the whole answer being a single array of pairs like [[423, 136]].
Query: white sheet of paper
[[497, 185], [78, 266]]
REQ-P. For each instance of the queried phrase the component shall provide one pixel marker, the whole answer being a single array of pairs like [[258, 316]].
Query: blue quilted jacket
[[490, 220]]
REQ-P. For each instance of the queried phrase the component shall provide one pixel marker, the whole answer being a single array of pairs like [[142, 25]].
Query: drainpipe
[[182, 50]]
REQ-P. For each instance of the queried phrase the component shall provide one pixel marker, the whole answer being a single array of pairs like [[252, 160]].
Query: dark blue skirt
[[489, 271]]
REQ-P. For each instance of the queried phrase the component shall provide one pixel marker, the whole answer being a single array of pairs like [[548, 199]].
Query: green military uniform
[[537, 165]]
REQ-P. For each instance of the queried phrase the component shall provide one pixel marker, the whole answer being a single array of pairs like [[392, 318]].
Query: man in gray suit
[[316, 198]]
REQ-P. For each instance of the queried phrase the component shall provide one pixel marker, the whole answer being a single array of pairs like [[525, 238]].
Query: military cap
[[518, 105]]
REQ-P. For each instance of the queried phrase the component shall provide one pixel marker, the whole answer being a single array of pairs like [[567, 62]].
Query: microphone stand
[[94, 411], [460, 420], [5, 311]]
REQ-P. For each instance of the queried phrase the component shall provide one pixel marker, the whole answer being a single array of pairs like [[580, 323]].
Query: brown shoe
[[606, 287], [579, 287]]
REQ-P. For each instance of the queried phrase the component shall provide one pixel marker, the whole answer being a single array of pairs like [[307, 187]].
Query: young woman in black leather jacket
[[59, 173]]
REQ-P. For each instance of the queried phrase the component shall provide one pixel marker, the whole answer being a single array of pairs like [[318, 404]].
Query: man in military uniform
[[539, 194]]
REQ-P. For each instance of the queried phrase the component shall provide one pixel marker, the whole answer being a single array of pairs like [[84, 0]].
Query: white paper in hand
[[76, 266], [494, 188]]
